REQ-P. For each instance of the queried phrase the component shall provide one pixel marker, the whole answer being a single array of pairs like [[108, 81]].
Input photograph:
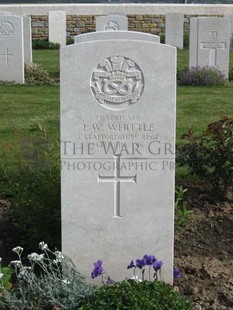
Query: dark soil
[[204, 250]]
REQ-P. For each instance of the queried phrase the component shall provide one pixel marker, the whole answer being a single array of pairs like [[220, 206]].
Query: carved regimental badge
[[6, 28], [117, 83]]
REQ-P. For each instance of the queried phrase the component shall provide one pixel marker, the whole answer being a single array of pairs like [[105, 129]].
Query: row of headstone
[[57, 27], [174, 29], [117, 150], [15, 46], [209, 39], [230, 17], [209, 43]]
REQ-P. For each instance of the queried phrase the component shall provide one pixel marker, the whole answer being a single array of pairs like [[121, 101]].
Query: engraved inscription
[[175, 18], [117, 82], [117, 179], [214, 45], [6, 28], [111, 26], [7, 55], [57, 17]]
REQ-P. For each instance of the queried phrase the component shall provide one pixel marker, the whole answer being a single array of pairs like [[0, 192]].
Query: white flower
[[0, 259], [24, 272], [43, 246], [16, 263], [18, 250], [59, 256], [36, 257], [1, 275], [136, 278], [65, 282]]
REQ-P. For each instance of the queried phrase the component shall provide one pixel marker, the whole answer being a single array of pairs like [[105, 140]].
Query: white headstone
[[5, 13], [27, 33], [117, 150], [174, 29], [11, 49], [209, 43], [57, 27], [230, 17], [116, 35], [111, 23]]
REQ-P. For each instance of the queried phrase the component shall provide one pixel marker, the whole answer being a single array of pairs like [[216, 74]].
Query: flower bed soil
[[204, 250]]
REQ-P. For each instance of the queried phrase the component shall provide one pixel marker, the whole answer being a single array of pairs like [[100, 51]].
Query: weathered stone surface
[[27, 35], [57, 27], [230, 17], [111, 23], [11, 49], [117, 149], [174, 29], [209, 43], [127, 35]]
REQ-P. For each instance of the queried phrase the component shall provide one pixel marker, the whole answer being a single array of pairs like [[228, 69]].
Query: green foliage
[[132, 295], [49, 280], [162, 38], [69, 41], [197, 76], [186, 40], [5, 278], [182, 214], [33, 189], [36, 75], [210, 155], [231, 74], [44, 45]]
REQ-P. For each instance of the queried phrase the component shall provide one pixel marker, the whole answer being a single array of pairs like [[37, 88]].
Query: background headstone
[[57, 27], [174, 29], [111, 23], [27, 34], [117, 150], [116, 35], [5, 13], [209, 43], [11, 49], [230, 17]]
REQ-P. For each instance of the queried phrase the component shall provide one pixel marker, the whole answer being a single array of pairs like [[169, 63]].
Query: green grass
[[198, 106], [22, 106], [48, 59]]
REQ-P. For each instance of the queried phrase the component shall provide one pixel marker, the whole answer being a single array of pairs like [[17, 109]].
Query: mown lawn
[[24, 107]]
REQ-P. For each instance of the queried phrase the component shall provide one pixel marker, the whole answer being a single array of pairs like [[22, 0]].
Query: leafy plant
[[197, 76], [5, 277], [186, 40], [182, 214], [69, 41], [231, 75], [162, 38], [36, 75], [130, 294], [210, 155], [33, 189], [50, 280], [44, 45]]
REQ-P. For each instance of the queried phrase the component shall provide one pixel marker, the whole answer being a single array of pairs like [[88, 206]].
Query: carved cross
[[117, 179]]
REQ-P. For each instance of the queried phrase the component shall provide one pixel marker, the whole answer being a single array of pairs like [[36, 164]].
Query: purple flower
[[157, 265], [148, 260], [176, 273], [109, 282], [140, 263], [131, 265], [98, 269]]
